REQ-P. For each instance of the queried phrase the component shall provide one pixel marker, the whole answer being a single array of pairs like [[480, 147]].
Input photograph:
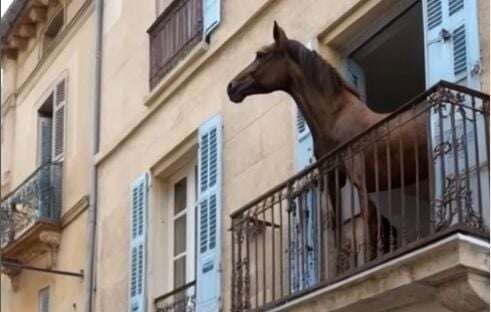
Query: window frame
[[187, 172]]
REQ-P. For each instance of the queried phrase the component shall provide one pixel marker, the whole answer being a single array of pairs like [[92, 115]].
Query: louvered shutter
[[59, 120], [44, 300], [139, 203], [452, 53], [211, 14], [209, 215], [45, 139], [452, 42]]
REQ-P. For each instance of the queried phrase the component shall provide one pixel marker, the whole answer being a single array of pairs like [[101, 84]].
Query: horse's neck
[[332, 119]]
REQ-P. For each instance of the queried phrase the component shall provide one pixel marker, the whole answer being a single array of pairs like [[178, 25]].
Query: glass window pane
[[180, 196], [179, 272], [180, 235]]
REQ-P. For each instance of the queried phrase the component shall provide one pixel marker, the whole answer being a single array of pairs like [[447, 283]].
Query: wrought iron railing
[[181, 299], [419, 174], [38, 198], [175, 32]]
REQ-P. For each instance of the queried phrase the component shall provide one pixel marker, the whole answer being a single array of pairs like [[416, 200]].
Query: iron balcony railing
[[419, 174], [181, 299], [38, 198]]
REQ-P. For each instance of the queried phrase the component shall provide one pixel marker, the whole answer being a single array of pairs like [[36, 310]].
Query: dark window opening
[[53, 30], [392, 62]]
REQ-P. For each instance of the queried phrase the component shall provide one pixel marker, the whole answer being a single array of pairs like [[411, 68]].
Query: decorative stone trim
[[71, 214], [52, 240], [466, 294]]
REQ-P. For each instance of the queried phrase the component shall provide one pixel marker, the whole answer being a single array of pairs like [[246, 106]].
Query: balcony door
[[182, 204]]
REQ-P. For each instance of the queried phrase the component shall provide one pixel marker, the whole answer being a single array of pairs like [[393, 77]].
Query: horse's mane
[[317, 70]]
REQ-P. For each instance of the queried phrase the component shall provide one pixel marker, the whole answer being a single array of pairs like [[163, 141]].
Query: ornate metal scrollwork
[[37, 197]]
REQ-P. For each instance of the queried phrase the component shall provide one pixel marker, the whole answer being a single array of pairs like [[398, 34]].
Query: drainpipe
[[90, 285]]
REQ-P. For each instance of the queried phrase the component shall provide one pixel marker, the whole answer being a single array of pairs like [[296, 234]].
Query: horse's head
[[268, 72]]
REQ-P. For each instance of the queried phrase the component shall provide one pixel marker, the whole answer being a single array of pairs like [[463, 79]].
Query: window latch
[[443, 36]]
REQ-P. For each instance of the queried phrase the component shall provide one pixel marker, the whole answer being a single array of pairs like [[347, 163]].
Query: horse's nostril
[[229, 87]]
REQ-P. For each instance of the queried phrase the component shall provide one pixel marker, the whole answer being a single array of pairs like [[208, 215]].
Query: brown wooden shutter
[[59, 120]]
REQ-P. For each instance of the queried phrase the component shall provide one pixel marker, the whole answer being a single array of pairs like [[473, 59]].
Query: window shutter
[[452, 42], [139, 203], [211, 15], [45, 140], [59, 120], [209, 214], [44, 303]]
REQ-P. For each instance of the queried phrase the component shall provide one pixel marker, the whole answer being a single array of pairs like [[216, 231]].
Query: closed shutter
[[139, 202], [209, 215], [59, 120], [212, 15], [44, 300], [452, 42]]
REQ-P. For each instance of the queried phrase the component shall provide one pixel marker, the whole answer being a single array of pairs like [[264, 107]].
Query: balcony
[[172, 36], [308, 234], [30, 215], [182, 299]]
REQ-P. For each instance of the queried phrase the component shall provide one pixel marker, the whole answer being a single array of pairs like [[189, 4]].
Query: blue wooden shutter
[[452, 42], [139, 200], [59, 120], [209, 215], [212, 15]]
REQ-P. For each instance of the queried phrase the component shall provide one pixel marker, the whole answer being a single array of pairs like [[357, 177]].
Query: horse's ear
[[279, 34]]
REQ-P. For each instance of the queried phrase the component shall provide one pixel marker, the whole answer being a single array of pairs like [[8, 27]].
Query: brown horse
[[334, 114]]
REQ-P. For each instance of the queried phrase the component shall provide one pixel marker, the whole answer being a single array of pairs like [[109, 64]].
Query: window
[[44, 301], [51, 133], [175, 32], [181, 203], [53, 29], [180, 26]]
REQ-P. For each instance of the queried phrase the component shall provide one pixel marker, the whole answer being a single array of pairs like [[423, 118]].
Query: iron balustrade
[[181, 299], [309, 232], [175, 32], [37, 198]]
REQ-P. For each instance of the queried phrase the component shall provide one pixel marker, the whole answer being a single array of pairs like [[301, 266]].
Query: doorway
[[389, 68]]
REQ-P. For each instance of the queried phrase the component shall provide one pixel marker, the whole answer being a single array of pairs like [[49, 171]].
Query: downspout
[[90, 285]]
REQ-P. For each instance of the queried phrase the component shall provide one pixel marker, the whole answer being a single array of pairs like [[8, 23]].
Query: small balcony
[[173, 35], [413, 179], [182, 299], [30, 215]]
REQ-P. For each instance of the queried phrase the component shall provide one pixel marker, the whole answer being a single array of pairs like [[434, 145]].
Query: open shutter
[[452, 53], [45, 139], [209, 215], [452, 42], [59, 120], [211, 13], [139, 199]]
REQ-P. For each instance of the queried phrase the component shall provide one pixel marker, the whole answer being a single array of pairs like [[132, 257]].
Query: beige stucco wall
[[258, 134], [258, 137], [72, 58]]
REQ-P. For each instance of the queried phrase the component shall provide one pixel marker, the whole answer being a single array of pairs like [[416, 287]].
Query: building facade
[[204, 205]]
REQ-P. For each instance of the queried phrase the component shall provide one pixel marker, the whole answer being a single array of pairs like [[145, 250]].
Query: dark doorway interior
[[393, 63]]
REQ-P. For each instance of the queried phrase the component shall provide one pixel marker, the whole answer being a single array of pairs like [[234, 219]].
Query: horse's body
[[335, 113]]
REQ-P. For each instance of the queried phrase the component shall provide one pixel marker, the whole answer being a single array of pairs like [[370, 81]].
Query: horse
[[335, 113]]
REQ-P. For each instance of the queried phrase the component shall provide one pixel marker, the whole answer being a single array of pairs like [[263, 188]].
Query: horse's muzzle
[[233, 91]]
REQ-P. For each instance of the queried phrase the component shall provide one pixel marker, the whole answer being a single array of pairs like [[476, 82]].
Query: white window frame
[[188, 172]]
